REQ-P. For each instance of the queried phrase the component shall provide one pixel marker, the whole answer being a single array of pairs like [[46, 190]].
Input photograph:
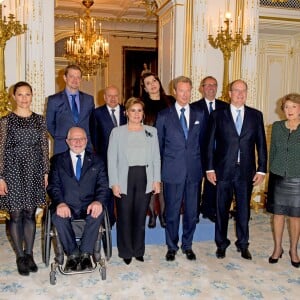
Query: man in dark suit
[[180, 133], [209, 103], [234, 135], [107, 117], [78, 187], [69, 108]]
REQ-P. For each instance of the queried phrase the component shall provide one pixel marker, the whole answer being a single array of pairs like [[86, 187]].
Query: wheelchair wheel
[[47, 237], [102, 271], [106, 237], [52, 277]]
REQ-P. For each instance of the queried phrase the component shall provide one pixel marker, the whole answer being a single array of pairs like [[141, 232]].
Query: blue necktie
[[238, 121], [238, 126], [78, 167], [113, 116], [210, 107], [75, 109], [183, 123]]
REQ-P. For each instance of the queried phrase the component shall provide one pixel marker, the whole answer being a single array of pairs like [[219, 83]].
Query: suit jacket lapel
[[228, 115], [108, 119], [86, 163], [175, 119], [192, 121], [67, 164]]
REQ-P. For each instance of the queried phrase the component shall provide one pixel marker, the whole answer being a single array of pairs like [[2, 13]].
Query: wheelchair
[[104, 239]]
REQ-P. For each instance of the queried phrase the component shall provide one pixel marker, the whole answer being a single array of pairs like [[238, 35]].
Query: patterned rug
[[205, 278]]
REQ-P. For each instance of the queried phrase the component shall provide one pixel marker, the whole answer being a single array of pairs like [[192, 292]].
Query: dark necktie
[[78, 167], [113, 116], [183, 123], [210, 107], [75, 109]]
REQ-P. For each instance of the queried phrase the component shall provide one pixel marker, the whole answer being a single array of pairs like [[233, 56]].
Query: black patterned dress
[[24, 160]]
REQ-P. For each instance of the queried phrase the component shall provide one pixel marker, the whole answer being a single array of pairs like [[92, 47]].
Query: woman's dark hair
[[19, 84], [144, 76], [150, 111]]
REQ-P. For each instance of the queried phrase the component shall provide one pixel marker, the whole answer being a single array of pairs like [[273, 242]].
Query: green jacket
[[285, 150]]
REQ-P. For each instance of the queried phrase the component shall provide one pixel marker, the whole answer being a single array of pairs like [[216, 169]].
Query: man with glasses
[[234, 135], [209, 103], [78, 187]]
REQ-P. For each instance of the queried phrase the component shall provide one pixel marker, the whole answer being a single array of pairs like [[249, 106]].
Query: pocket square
[[196, 122]]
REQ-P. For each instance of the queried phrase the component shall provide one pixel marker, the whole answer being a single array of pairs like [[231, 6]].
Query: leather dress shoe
[[245, 253], [22, 266], [127, 261], [32, 267], [190, 255], [140, 258], [170, 256], [152, 221], [85, 262], [220, 253], [212, 218], [275, 260], [71, 264]]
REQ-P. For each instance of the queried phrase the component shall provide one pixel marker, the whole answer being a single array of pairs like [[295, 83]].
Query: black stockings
[[22, 228]]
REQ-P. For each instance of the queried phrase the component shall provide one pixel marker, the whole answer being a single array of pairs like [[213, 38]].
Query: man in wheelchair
[[78, 187]]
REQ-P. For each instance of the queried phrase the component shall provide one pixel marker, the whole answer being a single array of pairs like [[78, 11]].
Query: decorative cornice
[[279, 19], [110, 19]]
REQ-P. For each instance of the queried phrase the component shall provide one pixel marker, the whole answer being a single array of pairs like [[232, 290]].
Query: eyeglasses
[[77, 140]]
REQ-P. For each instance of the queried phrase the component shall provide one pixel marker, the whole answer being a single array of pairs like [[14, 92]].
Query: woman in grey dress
[[284, 182], [24, 167]]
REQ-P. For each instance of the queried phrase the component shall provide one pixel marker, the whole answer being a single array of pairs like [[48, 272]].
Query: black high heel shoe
[[295, 264], [275, 260]]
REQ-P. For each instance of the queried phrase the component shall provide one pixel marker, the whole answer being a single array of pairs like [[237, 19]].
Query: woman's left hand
[[156, 187]]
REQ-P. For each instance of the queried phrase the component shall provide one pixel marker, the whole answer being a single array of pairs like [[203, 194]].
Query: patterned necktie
[[75, 111], [78, 167], [238, 121], [210, 107], [183, 123], [113, 116]]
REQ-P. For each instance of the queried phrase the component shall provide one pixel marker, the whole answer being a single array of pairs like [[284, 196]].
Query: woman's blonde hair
[[294, 97]]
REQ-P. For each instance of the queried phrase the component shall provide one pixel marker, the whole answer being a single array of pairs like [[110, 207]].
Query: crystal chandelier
[[87, 48]]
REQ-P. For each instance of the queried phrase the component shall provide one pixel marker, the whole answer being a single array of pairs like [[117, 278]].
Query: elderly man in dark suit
[[78, 188], [209, 103], [180, 133], [108, 116], [234, 135], [69, 108]]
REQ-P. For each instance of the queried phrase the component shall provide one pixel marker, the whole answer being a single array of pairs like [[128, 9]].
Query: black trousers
[[242, 189], [131, 214]]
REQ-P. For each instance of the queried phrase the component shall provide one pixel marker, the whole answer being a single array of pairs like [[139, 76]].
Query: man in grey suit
[[235, 134], [69, 108]]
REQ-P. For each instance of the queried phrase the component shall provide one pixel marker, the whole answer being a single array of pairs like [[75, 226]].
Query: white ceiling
[[104, 8]]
